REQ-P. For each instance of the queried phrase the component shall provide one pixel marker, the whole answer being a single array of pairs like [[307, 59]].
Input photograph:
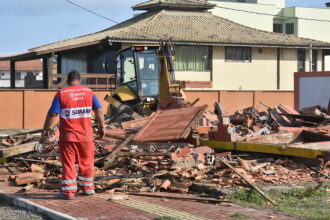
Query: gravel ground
[[8, 212]]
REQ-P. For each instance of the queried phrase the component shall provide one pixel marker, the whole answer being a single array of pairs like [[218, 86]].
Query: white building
[[271, 15]]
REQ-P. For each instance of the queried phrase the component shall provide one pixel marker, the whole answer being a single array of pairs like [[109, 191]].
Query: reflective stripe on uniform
[[85, 179], [68, 181], [69, 188], [85, 184]]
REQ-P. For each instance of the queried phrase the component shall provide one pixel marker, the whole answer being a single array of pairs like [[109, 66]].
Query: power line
[[90, 11], [99, 15], [280, 16]]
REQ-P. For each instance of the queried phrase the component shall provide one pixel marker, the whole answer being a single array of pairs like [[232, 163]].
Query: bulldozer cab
[[145, 77], [138, 69]]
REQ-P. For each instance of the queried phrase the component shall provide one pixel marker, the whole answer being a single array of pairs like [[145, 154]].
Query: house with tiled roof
[[33, 68], [212, 53]]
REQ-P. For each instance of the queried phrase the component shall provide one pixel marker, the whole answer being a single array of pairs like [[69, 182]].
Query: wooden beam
[[17, 150], [248, 181], [12, 74], [45, 72], [114, 154]]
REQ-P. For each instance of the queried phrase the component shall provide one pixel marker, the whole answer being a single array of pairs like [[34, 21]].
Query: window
[[278, 28], [18, 75], [301, 60], [289, 28], [314, 60], [126, 69], [238, 54], [149, 73], [195, 58]]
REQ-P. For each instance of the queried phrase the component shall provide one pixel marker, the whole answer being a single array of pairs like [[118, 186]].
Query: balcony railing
[[92, 80]]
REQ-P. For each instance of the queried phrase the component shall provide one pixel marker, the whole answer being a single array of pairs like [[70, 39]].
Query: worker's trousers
[[83, 155]]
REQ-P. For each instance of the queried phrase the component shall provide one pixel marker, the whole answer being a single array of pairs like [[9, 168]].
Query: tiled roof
[[177, 4], [31, 65], [187, 27]]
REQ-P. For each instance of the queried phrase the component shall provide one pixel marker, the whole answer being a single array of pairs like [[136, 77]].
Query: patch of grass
[[304, 193], [166, 218], [247, 197], [309, 203], [239, 216]]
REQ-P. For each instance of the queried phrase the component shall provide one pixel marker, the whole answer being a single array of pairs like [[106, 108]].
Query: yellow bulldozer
[[145, 81]]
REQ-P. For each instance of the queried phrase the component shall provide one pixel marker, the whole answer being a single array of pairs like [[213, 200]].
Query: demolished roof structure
[[182, 21]]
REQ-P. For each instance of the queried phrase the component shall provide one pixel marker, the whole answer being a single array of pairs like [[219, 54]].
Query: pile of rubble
[[163, 152], [249, 122]]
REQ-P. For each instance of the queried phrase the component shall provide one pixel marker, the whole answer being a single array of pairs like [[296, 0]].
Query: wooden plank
[[17, 150], [286, 150], [248, 181], [111, 158]]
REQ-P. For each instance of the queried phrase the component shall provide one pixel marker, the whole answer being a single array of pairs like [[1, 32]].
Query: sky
[[30, 23]]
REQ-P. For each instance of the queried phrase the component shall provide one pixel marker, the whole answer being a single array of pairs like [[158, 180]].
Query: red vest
[[75, 118]]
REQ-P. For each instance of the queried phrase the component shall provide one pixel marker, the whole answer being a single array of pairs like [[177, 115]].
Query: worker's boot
[[89, 193], [60, 195]]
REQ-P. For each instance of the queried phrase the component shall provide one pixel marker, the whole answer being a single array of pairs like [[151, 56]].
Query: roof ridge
[[155, 15], [188, 4]]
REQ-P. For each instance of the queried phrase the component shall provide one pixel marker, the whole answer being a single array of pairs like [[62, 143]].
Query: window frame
[[287, 25], [301, 60], [209, 61], [241, 50], [281, 27], [314, 60]]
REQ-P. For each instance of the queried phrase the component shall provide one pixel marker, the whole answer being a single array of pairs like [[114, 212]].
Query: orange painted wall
[[273, 99], [236, 100], [206, 97], [27, 109], [11, 108], [36, 106], [233, 101]]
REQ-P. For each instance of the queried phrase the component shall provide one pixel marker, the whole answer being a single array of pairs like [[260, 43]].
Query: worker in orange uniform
[[75, 104]]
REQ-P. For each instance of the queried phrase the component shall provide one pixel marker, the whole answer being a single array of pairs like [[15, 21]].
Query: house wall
[[264, 22], [261, 72], [27, 109], [278, 3], [311, 29], [246, 75]]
